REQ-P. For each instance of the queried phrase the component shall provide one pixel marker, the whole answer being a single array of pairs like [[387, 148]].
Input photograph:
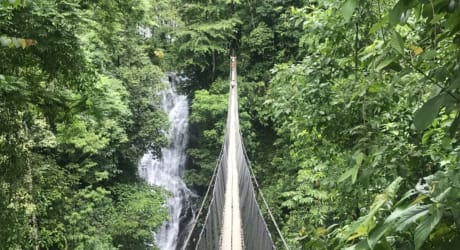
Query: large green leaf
[[377, 233], [399, 219], [348, 8], [454, 127], [366, 224], [427, 225], [455, 81], [385, 62], [407, 217], [397, 42], [398, 15], [395, 14], [428, 112], [353, 172]]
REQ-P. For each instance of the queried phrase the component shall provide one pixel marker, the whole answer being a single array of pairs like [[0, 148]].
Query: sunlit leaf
[[352, 172], [348, 8], [417, 50], [23, 43], [406, 217], [397, 42]]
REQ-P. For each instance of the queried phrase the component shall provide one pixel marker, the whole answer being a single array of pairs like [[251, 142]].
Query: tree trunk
[[29, 180]]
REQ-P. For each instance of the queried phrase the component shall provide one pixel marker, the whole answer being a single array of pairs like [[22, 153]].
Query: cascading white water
[[167, 170]]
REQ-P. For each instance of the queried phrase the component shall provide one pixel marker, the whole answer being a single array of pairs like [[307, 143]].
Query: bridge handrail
[[259, 190], [208, 191]]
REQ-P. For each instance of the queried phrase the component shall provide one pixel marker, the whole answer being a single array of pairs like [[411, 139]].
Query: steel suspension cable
[[263, 197], [208, 191]]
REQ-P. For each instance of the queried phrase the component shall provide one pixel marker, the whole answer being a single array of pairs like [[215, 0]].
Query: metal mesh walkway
[[234, 220]]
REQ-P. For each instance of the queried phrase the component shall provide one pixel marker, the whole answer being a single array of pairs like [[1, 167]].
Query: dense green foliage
[[349, 112], [353, 111], [79, 107]]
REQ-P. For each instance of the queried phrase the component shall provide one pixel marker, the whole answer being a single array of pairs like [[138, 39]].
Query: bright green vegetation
[[78, 108], [349, 111], [350, 115]]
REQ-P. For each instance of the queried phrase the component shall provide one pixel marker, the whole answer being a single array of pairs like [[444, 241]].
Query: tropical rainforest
[[349, 111]]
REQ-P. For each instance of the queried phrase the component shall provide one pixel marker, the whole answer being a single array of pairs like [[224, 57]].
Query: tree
[[78, 110]]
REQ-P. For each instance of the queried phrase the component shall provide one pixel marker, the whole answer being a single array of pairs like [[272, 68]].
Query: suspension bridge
[[233, 220]]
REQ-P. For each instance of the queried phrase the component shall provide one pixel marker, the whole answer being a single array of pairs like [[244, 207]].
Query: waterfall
[[167, 170]]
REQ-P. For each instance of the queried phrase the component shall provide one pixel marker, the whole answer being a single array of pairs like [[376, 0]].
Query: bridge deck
[[232, 227], [233, 220]]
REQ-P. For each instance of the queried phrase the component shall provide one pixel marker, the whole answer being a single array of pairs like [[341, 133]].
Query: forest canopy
[[348, 109], [79, 107], [349, 112]]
